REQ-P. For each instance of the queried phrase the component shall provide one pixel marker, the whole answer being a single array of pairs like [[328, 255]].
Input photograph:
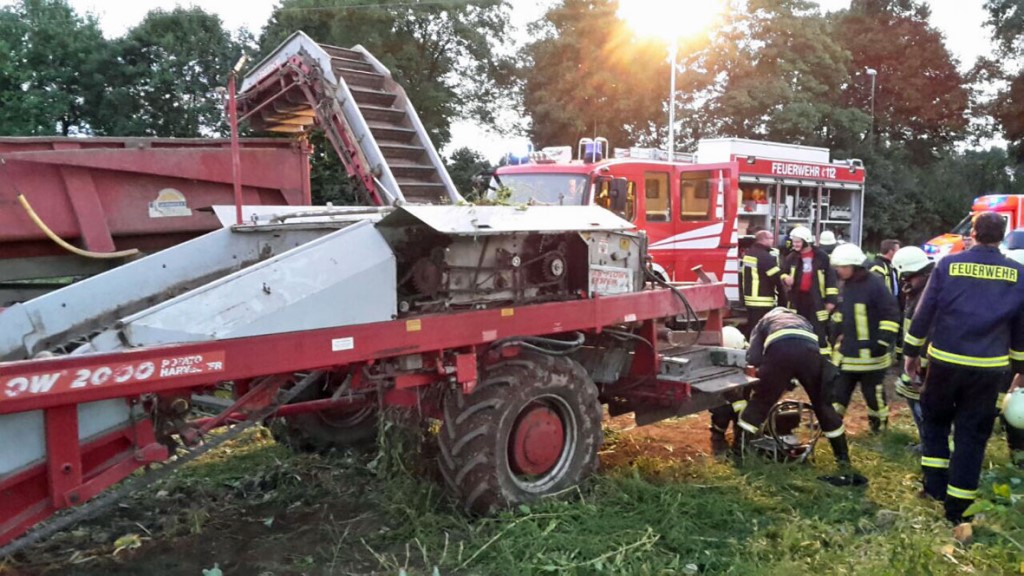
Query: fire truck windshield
[[964, 227], [543, 189]]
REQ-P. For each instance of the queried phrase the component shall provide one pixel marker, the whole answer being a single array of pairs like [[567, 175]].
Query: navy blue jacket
[[869, 319], [779, 324], [972, 311]]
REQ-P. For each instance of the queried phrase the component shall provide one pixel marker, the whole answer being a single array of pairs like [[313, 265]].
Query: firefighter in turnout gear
[[972, 311], [868, 319], [1014, 434], [812, 284], [783, 346], [883, 267], [913, 267], [761, 278]]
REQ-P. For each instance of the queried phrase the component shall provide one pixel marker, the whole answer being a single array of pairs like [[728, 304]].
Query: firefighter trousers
[[754, 315], [962, 399], [806, 305], [872, 387], [783, 361]]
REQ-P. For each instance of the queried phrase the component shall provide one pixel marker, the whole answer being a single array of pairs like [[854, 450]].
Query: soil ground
[[256, 509]]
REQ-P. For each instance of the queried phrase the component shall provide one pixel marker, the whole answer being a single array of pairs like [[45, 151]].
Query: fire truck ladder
[[365, 114]]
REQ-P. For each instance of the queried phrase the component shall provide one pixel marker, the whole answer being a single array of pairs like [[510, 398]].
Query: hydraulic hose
[[65, 245]]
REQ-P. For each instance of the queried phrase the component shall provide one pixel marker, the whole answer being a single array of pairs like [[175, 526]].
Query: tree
[[920, 99], [463, 165], [1006, 18], [773, 71], [50, 60], [446, 54], [586, 75], [165, 77]]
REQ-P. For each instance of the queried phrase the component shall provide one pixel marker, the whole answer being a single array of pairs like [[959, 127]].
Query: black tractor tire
[[330, 429], [515, 398]]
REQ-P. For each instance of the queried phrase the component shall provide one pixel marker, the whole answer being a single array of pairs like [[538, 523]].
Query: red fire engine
[[695, 207]]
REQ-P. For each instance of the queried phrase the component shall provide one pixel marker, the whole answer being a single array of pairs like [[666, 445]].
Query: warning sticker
[[169, 203]]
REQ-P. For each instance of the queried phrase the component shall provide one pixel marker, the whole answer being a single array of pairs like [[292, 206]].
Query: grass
[[349, 514]]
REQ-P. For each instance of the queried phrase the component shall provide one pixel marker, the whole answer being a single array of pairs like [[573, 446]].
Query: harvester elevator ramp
[[365, 114]]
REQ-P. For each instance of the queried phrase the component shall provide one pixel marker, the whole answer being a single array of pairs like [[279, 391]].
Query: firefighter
[[972, 311], [827, 241], [1014, 434], [913, 268], [761, 278], [882, 265], [812, 284], [868, 319], [783, 346]]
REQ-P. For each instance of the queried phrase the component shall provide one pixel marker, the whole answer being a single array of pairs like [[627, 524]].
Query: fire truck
[[695, 207], [1009, 206]]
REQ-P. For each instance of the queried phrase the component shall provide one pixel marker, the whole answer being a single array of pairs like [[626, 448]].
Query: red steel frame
[[74, 472]]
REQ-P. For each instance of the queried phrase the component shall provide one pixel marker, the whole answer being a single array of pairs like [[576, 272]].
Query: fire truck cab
[[1009, 206], [695, 207]]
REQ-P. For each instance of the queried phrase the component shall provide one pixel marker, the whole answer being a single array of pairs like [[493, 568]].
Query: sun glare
[[670, 20]]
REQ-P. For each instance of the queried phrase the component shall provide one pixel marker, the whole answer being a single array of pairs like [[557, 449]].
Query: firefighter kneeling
[[783, 346]]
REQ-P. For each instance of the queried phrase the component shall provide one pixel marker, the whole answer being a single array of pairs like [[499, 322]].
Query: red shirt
[[805, 279]]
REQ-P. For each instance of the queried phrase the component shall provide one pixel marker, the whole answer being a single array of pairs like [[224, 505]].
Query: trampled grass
[[253, 507]]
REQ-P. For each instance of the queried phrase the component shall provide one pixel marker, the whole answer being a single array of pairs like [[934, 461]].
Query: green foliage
[[1007, 23], [328, 180], [463, 165], [775, 71], [165, 77], [50, 59], [445, 54], [586, 75], [920, 97]]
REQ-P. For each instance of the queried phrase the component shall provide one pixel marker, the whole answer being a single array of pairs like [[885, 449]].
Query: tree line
[[772, 69]]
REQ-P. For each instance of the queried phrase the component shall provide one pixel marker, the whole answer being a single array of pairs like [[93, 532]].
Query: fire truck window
[[656, 192], [694, 195], [603, 198]]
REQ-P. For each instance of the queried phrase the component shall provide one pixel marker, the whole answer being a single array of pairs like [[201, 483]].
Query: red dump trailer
[[72, 207]]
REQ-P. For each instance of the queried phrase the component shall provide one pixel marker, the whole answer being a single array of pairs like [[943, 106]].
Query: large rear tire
[[531, 429], [328, 429]]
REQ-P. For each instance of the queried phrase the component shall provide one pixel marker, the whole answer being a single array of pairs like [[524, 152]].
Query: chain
[[97, 505]]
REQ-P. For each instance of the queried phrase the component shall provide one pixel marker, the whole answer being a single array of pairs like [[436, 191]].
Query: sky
[[962, 22]]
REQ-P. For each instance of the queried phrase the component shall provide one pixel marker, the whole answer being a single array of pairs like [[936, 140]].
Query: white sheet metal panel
[[722, 149], [256, 215], [345, 278], [96, 302], [485, 220]]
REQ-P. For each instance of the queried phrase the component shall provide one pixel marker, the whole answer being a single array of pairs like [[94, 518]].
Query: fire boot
[[877, 424], [719, 444], [841, 451]]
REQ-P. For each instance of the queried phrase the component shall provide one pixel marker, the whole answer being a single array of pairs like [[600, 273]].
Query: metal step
[[372, 80], [417, 191], [397, 151], [339, 63], [339, 52], [373, 97], [423, 172], [391, 132], [381, 114]]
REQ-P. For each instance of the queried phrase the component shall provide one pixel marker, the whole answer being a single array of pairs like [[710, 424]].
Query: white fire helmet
[[802, 233], [1013, 408], [909, 260], [848, 255], [1016, 255], [827, 238], [733, 338]]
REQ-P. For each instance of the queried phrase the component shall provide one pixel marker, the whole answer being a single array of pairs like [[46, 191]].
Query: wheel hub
[[537, 440]]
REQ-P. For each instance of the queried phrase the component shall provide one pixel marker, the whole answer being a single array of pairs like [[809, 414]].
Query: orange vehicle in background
[[1009, 206]]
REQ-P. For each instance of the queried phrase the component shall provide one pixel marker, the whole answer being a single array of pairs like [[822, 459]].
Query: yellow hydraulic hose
[[60, 241]]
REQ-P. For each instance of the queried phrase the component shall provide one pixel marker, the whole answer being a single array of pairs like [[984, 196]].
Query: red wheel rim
[[538, 440]]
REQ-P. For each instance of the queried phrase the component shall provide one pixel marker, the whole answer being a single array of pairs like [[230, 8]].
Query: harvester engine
[[492, 259]]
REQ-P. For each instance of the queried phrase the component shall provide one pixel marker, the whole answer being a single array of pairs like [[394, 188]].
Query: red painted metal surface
[[74, 473], [98, 193], [44, 383], [537, 440]]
